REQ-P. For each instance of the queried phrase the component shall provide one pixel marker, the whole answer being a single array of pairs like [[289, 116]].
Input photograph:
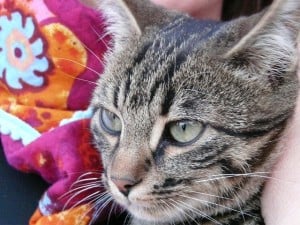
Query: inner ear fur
[[271, 45], [128, 19]]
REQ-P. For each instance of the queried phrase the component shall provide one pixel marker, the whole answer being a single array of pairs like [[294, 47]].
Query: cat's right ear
[[269, 48], [127, 19]]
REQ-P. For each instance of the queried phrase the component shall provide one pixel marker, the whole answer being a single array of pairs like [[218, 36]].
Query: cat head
[[187, 113]]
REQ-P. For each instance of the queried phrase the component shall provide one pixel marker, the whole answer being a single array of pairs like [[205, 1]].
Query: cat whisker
[[80, 79], [91, 51], [86, 181], [168, 209], [101, 37], [237, 201], [198, 212], [250, 173], [79, 64], [90, 198], [225, 176], [127, 218], [258, 174], [102, 202], [88, 174], [206, 194], [185, 214], [81, 191], [72, 190], [99, 202], [93, 205], [72, 197], [110, 212], [208, 203]]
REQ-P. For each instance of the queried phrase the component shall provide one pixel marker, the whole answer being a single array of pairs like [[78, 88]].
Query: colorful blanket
[[51, 54]]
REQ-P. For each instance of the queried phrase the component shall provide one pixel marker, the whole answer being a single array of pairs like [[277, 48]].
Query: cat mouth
[[152, 213], [154, 210]]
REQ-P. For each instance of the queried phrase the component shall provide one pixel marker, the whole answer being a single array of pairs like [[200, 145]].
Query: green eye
[[110, 122], [185, 132]]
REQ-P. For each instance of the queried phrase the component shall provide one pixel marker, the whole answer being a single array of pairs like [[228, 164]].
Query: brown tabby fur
[[238, 79]]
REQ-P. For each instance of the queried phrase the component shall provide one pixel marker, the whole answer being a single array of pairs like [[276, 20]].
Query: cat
[[188, 113]]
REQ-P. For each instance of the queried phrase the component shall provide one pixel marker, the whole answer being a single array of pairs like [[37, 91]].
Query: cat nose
[[124, 184]]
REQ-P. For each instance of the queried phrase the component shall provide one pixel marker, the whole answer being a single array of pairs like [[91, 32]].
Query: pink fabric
[[51, 55]]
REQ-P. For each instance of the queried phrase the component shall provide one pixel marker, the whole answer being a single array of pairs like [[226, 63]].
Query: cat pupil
[[183, 126]]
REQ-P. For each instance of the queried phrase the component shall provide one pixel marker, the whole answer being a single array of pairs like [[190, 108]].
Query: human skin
[[202, 9], [281, 196]]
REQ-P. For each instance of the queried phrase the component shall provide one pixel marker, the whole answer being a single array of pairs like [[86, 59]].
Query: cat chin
[[153, 215], [149, 213]]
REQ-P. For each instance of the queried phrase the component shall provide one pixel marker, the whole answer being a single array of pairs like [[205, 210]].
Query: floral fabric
[[50, 51]]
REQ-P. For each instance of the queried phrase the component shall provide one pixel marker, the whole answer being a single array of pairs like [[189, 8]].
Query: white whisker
[[90, 199], [128, 217], [185, 214], [215, 204], [198, 212], [86, 187], [240, 174], [101, 202], [80, 64], [110, 212], [237, 201], [167, 208], [77, 193], [206, 194], [93, 53], [87, 181], [225, 176], [101, 37]]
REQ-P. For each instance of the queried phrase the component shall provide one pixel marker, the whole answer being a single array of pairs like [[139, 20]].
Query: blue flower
[[21, 52]]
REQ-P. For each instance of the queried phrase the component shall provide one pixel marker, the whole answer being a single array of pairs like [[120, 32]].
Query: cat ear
[[127, 19], [270, 47]]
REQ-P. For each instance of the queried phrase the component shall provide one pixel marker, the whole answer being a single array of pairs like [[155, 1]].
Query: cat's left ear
[[270, 47], [128, 19]]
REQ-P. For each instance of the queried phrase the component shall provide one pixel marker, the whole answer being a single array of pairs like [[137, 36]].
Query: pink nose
[[124, 185]]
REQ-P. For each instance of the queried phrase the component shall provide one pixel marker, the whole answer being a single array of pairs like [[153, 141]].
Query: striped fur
[[176, 68]]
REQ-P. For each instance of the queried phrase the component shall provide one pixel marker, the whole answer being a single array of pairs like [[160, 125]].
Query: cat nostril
[[124, 185]]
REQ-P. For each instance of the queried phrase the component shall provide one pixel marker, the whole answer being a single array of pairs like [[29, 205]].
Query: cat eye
[[110, 122], [185, 132]]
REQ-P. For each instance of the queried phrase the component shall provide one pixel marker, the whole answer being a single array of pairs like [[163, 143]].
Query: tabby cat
[[188, 113]]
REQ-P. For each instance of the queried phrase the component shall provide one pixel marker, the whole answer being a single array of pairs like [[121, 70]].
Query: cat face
[[188, 113]]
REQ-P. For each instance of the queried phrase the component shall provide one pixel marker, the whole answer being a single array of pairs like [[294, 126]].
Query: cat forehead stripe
[[170, 51]]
